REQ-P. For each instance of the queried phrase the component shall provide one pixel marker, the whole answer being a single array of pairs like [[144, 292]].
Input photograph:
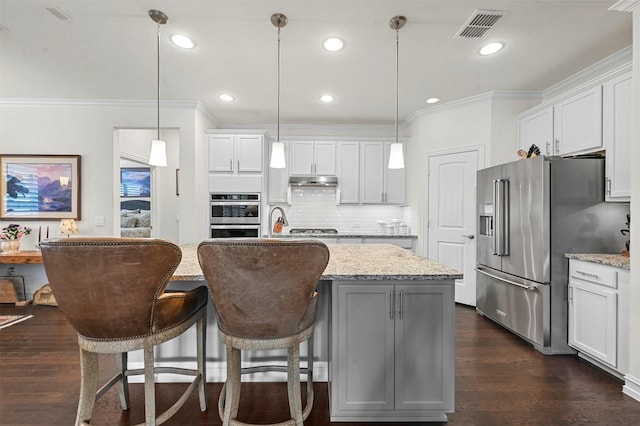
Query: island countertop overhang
[[350, 262]]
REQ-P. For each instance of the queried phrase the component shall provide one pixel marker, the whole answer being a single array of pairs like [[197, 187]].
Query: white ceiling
[[107, 50]]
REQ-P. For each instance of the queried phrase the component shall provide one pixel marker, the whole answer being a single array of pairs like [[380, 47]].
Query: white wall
[[86, 129], [489, 120]]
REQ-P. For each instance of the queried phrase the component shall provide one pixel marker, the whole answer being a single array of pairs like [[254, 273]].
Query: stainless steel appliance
[[235, 215], [530, 213]]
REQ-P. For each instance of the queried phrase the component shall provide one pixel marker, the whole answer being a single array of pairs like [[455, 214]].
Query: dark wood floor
[[500, 380]]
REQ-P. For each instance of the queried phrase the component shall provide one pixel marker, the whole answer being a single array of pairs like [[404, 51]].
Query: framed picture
[[40, 187], [135, 182]]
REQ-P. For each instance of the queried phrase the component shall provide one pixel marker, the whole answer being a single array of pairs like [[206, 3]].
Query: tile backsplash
[[316, 208]]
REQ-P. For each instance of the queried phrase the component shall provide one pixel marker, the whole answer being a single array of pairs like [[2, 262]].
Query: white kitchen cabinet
[[313, 158], [616, 131], [348, 164], [406, 243], [391, 355], [235, 153], [577, 122], [279, 192], [378, 183], [597, 309], [537, 129]]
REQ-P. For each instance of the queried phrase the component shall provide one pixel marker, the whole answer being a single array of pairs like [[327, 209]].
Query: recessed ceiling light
[[182, 41], [491, 48], [333, 44], [433, 100], [226, 98], [327, 98]]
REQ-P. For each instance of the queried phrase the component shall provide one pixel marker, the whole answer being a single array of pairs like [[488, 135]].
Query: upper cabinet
[[313, 158], [570, 126], [378, 183], [279, 180], [577, 123], [235, 153], [616, 132], [348, 164], [537, 129]]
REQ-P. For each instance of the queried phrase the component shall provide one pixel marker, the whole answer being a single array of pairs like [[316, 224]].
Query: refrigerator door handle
[[524, 286], [501, 211]]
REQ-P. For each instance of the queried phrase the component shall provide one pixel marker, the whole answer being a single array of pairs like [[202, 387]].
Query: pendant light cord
[[397, 78], [158, 85], [278, 90]]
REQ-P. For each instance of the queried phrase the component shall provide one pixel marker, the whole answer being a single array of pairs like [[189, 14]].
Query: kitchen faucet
[[284, 217]]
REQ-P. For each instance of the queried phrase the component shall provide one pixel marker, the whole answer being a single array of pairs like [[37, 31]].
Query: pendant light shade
[[158, 153], [277, 148], [277, 156], [396, 156]]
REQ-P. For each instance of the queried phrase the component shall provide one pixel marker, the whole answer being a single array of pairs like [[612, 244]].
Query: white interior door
[[452, 216]]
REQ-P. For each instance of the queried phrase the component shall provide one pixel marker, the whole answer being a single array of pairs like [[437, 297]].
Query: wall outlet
[[99, 221]]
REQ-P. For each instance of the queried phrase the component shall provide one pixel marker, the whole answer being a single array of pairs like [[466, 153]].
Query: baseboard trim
[[631, 387], [217, 372]]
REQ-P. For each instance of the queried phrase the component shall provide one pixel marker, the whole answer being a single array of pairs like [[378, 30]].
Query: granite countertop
[[615, 260], [349, 262], [345, 235]]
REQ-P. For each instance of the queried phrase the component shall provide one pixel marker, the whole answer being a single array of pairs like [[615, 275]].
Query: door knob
[[470, 236]]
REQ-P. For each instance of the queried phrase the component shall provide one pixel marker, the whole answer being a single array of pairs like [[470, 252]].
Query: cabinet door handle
[[557, 148], [608, 186], [392, 303], [400, 311], [230, 164], [587, 274], [547, 149], [238, 165], [570, 294]]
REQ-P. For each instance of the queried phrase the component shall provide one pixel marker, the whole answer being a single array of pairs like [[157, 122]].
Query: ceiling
[[107, 50]]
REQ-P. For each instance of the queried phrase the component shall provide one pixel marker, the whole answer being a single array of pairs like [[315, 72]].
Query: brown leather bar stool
[[264, 293], [112, 291]]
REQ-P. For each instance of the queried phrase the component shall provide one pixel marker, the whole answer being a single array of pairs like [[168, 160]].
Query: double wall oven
[[235, 215]]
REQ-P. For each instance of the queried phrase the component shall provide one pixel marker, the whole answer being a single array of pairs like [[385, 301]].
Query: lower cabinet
[[597, 319], [392, 351]]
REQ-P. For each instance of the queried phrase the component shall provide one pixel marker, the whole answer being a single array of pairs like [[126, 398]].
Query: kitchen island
[[384, 333]]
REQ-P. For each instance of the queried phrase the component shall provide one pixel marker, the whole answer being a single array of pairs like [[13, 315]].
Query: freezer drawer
[[512, 302]]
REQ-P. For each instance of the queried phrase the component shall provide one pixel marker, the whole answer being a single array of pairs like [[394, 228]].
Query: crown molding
[[100, 103], [475, 99], [626, 5]]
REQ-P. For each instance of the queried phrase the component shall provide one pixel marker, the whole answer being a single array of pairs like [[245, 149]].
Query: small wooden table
[[21, 257]]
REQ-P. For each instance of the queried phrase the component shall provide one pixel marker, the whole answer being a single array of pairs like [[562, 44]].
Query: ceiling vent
[[480, 22]]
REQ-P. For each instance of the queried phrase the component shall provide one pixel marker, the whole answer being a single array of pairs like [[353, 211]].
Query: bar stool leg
[[149, 387], [232, 399], [201, 332], [121, 363], [88, 385], [293, 384]]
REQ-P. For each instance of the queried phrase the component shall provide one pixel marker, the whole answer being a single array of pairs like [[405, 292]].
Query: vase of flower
[[10, 246], [10, 237]]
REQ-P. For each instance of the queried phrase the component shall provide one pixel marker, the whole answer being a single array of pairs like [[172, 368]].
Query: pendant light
[[158, 154], [396, 157], [277, 148]]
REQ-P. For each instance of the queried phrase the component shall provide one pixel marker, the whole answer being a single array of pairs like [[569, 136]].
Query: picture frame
[[135, 182], [40, 187]]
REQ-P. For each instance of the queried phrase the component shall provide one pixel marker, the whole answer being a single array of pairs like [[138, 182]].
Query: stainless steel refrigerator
[[530, 213]]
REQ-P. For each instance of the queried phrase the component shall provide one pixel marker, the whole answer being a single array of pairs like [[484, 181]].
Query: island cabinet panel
[[392, 354]]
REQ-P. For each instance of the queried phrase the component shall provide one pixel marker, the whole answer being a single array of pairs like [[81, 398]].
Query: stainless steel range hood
[[313, 181]]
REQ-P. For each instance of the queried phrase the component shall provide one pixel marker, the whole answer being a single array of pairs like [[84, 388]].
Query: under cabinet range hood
[[313, 181]]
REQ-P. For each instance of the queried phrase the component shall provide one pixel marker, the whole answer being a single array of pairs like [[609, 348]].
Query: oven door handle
[[524, 286]]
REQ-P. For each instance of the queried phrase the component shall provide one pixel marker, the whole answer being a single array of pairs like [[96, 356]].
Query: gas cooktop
[[313, 231]]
